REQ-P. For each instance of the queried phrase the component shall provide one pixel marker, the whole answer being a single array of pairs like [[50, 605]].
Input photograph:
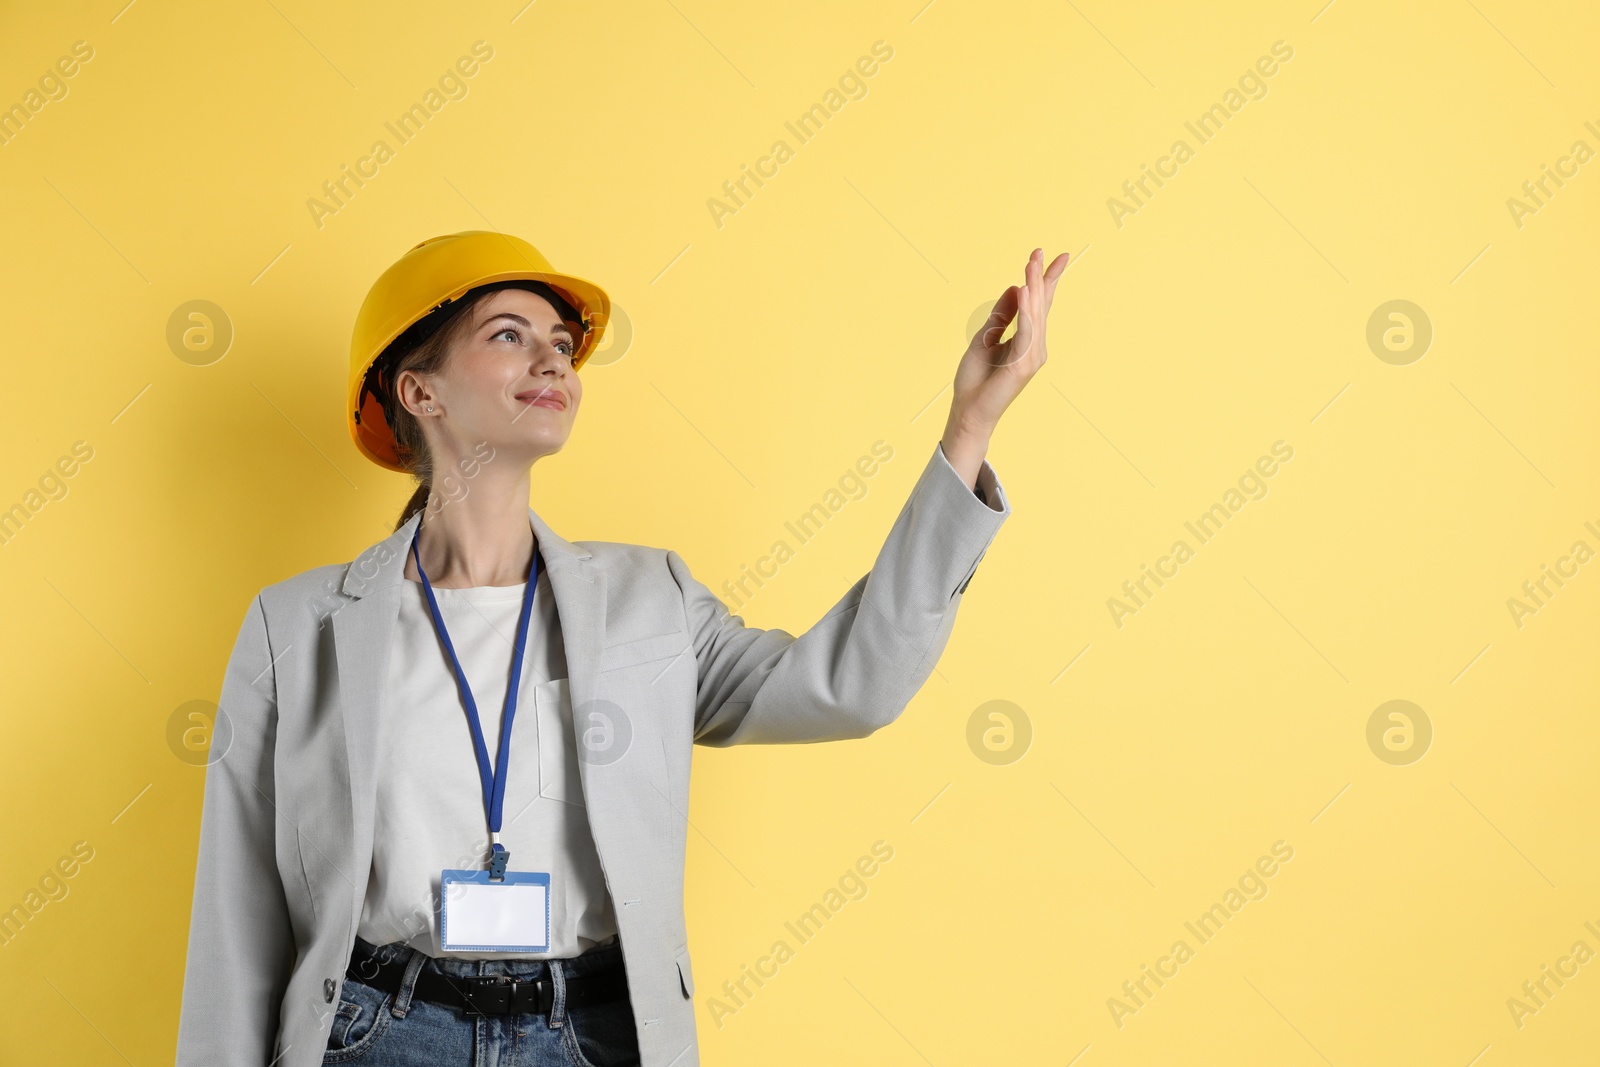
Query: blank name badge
[[477, 915]]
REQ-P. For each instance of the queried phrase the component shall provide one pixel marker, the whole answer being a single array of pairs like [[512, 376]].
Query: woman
[[399, 867]]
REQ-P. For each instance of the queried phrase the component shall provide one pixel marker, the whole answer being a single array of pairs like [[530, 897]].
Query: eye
[[515, 336]]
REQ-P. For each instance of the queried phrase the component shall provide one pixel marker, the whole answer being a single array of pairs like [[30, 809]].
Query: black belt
[[492, 994]]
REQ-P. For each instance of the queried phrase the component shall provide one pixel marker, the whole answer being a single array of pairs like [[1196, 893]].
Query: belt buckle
[[494, 994], [487, 994]]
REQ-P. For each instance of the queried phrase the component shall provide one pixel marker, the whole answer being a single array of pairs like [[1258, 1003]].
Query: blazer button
[[327, 990]]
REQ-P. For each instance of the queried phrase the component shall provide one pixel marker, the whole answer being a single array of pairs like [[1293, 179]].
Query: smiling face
[[508, 382]]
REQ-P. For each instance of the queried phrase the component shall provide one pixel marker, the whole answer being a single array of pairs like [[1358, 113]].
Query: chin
[[536, 446]]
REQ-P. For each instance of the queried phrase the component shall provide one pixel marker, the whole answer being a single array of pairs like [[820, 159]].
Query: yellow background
[[767, 356]]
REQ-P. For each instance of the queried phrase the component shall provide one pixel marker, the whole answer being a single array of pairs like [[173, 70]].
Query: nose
[[547, 358]]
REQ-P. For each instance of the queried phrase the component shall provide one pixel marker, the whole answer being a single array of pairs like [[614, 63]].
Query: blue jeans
[[394, 1030]]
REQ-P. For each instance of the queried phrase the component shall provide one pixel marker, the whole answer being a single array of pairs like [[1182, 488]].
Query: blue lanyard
[[494, 780]]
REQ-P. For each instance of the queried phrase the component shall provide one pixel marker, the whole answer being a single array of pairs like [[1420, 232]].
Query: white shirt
[[429, 813]]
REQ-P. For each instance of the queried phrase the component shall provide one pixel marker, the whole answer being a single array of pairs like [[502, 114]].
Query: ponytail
[[418, 501]]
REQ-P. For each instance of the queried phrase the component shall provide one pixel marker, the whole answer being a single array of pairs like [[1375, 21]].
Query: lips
[[544, 398]]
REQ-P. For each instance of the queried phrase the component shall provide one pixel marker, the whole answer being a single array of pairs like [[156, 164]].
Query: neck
[[481, 538]]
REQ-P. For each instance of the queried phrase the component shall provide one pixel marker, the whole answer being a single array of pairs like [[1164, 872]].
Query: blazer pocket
[[301, 841], [647, 649], [962, 588], [685, 976], [558, 747]]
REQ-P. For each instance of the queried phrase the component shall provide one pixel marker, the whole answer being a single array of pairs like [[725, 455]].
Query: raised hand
[[993, 372]]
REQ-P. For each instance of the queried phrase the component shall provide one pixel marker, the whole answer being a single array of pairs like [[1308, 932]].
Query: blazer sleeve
[[241, 945], [857, 668]]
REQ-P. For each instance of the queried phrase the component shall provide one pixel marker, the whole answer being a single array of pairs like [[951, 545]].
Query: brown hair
[[424, 348]]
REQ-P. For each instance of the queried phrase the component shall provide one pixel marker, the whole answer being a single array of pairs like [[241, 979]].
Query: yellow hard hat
[[430, 276]]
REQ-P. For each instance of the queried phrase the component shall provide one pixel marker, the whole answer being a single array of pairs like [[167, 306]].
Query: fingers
[[1036, 280], [1005, 309], [1039, 294], [1028, 303], [1026, 291], [1058, 267], [1022, 341], [1036, 293]]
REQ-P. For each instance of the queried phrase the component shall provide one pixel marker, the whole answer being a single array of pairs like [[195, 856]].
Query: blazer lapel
[[364, 637]]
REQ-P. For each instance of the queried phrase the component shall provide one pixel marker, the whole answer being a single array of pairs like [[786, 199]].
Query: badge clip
[[497, 863]]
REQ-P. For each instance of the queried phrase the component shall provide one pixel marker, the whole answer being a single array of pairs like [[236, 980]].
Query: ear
[[412, 392]]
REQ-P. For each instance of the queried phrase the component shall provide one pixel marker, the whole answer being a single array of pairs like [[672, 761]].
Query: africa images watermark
[[1564, 570], [53, 886], [1204, 128], [452, 85], [52, 485], [1536, 992], [851, 485], [736, 993], [1252, 885], [52, 87], [851, 86], [447, 489], [1531, 201], [1252, 485]]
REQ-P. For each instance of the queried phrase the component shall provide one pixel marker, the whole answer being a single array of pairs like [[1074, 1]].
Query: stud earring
[[430, 407]]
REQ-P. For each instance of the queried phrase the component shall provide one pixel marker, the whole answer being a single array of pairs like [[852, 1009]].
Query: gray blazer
[[287, 823]]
